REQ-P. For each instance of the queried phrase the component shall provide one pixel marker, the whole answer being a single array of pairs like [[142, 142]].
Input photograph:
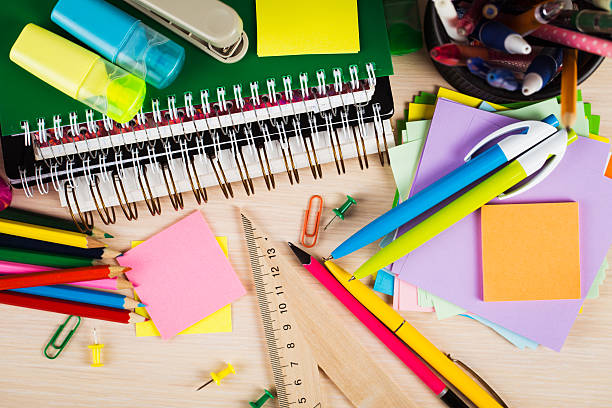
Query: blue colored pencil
[[83, 295]]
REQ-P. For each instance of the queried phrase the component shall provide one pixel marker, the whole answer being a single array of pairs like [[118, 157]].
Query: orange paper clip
[[315, 234]]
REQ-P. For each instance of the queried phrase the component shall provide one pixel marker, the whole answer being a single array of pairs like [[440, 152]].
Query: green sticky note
[[599, 279], [405, 157], [542, 109], [594, 123], [424, 298], [445, 309], [425, 98]]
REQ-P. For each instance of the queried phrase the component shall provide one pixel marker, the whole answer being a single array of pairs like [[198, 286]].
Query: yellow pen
[[79, 73], [415, 340]]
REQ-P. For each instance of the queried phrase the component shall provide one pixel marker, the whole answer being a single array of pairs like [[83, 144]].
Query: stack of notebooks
[[214, 125], [523, 266]]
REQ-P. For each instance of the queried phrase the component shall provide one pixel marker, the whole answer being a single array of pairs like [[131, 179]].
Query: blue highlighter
[[121, 39]]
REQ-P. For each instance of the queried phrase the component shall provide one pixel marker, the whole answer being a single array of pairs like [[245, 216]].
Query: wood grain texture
[[164, 373]]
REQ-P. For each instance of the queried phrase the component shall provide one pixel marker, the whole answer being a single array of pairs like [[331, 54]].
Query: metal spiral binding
[[228, 123]]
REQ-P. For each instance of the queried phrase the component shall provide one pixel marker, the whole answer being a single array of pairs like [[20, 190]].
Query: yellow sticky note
[[420, 111], [307, 27], [218, 322], [466, 99], [530, 251]]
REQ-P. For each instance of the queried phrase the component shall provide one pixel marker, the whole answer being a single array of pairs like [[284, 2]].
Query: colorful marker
[[587, 21], [478, 67], [498, 36], [448, 16], [452, 54], [542, 70], [532, 19], [477, 167]]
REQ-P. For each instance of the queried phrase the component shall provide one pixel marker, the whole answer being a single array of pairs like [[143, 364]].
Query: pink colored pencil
[[392, 342], [574, 39], [110, 284]]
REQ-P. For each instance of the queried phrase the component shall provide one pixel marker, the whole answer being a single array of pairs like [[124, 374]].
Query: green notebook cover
[[25, 97]]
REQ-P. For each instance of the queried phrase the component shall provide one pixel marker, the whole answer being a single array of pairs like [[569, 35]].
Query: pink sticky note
[[408, 299], [182, 275]]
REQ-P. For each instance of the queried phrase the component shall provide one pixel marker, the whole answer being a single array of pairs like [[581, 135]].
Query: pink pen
[[110, 284], [381, 331], [574, 39]]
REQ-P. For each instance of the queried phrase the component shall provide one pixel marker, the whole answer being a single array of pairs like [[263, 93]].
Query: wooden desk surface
[[151, 372]]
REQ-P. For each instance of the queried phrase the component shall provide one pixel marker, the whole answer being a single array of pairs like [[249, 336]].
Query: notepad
[[182, 275], [530, 251], [217, 322], [307, 27], [457, 276]]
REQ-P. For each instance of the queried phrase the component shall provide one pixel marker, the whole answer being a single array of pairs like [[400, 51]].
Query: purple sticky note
[[457, 276]]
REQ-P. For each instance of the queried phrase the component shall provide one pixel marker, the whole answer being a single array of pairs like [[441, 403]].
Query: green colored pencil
[[15, 214], [45, 259]]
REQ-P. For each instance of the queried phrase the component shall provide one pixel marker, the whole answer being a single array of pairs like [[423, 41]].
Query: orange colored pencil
[[569, 76], [53, 277]]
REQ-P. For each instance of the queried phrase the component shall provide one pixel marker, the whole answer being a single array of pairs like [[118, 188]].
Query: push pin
[[262, 400], [96, 354], [339, 212], [217, 377]]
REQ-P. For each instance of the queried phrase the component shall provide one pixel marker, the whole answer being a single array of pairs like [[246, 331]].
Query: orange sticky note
[[530, 251]]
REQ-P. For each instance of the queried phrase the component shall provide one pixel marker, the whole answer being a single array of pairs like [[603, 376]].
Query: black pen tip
[[301, 255]]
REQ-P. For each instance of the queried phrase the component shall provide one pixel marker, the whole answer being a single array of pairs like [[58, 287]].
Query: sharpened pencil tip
[[142, 305], [107, 235]]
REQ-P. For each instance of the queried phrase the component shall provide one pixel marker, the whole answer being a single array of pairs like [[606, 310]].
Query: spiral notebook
[[216, 124]]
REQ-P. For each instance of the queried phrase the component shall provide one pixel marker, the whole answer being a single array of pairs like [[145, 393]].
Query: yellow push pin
[[96, 354], [217, 377]]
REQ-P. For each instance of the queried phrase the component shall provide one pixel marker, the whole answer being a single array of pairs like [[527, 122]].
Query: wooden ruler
[[335, 349], [296, 374]]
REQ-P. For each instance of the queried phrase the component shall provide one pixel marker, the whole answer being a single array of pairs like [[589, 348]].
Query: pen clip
[[478, 378]]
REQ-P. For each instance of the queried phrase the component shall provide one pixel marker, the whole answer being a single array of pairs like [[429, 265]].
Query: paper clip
[[58, 348], [314, 235]]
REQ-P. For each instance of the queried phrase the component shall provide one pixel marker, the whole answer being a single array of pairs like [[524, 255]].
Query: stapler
[[210, 25]]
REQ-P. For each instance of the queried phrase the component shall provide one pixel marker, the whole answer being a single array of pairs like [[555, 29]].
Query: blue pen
[[497, 155], [496, 35], [502, 78], [76, 294], [542, 70]]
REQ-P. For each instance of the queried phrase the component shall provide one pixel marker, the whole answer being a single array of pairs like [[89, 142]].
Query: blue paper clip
[[58, 348]]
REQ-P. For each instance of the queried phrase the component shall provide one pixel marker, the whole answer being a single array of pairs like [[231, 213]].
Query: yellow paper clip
[[51, 345]]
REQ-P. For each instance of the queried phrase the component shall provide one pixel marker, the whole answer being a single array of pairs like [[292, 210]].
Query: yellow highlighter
[[79, 73], [415, 340]]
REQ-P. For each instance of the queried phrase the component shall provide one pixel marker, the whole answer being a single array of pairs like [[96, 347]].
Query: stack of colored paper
[[437, 132]]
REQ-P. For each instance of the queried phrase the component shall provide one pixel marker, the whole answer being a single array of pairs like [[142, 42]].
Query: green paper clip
[[58, 348]]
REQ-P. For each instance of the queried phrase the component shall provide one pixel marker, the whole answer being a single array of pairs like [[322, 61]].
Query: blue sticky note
[[384, 282], [516, 339], [485, 106]]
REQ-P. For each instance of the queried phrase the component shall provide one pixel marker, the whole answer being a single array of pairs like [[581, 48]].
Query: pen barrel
[[458, 209], [446, 186]]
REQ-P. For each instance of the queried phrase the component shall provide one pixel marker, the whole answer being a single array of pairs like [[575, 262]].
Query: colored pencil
[[83, 295], [45, 259], [569, 86], [58, 236], [13, 241], [70, 308], [385, 335], [415, 340], [108, 283], [30, 217], [27, 280]]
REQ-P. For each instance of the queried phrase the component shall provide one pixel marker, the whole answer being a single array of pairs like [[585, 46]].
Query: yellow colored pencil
[[58, 236], [569, 85], [415, 340]]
